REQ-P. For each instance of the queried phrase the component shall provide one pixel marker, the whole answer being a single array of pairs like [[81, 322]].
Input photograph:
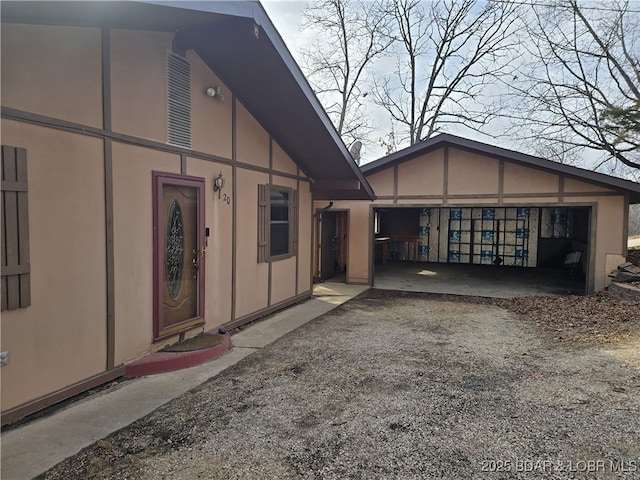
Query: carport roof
[[445, 139], [239, 42]]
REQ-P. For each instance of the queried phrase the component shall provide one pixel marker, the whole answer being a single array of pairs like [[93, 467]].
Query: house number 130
[[226, 199]]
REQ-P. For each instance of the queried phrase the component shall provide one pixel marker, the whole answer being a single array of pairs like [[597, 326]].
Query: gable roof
[[238, 41], [445, 139]]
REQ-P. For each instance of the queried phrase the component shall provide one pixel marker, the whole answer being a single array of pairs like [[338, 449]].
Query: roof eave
[[439, 141]]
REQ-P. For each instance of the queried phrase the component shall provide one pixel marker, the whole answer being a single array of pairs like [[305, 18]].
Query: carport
[[474, 212], [486, 251]]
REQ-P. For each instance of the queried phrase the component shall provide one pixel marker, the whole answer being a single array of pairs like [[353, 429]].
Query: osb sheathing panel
[[211, 118], [252, 278], [53, 71], [138, 83], [218, 259], [133, 244], [470, 173], [61, 338], [252, 140], [422, 175]]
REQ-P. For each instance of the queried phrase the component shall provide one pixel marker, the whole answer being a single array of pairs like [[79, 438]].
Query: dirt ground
[[399, 385]]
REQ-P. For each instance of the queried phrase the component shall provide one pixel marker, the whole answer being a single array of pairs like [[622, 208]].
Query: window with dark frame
[[277, 222], [280, 206]]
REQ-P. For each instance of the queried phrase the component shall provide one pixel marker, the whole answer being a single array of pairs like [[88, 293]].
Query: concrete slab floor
[[476, 280], [34, 447]]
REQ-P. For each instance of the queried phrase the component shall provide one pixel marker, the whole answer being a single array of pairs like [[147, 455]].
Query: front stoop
[[162, 362]]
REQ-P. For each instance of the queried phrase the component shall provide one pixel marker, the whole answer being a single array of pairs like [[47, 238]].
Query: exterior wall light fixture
[[218, 183], [215, 92]]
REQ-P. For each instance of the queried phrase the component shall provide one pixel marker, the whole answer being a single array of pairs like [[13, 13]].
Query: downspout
[[324, 209]]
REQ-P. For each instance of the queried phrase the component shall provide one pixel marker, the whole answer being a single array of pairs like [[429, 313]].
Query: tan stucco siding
[[382, 182], [61, 339], [609, 218], [358, 238], [519, 179], [218, 258], [68, 268], [252, 278], [473, 201], [282, 162], [138, 83], [532, 200], [133, 245], [53, 71], [211, 119], [359, 243], [470, 173], [573, 185], [283, 280], [420, 175], [304, 235], [252, 140]]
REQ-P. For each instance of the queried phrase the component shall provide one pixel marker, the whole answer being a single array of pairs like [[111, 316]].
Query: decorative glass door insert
[[179, 253]]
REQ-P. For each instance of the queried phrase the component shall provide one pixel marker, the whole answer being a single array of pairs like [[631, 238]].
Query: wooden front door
[[179, 253]]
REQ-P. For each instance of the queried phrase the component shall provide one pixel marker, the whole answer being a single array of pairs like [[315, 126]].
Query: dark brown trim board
[[625, 227], [298, 234], [269, 257], [395, 183], [110, 254], [234, 207], [445, 175], [16, 413], [267, 311], [108, 198], [44, 121], [501, 182], [183, 164]]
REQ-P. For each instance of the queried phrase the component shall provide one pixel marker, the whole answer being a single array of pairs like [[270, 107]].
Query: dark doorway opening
[[523, 238], [332, 261]]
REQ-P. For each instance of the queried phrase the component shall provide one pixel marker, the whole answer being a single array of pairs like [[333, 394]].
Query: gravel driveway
[[394, 386]]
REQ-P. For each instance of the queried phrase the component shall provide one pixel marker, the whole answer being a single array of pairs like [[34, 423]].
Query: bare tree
[[581, 86], [351, 35], [449, 54]]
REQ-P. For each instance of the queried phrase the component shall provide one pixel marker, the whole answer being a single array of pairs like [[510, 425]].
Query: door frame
[[343, 242], [160, 179]]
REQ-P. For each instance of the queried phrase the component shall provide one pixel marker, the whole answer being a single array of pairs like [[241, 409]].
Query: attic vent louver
[[178, 101]]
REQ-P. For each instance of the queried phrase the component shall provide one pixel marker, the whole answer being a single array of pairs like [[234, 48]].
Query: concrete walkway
[[35, 447]]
